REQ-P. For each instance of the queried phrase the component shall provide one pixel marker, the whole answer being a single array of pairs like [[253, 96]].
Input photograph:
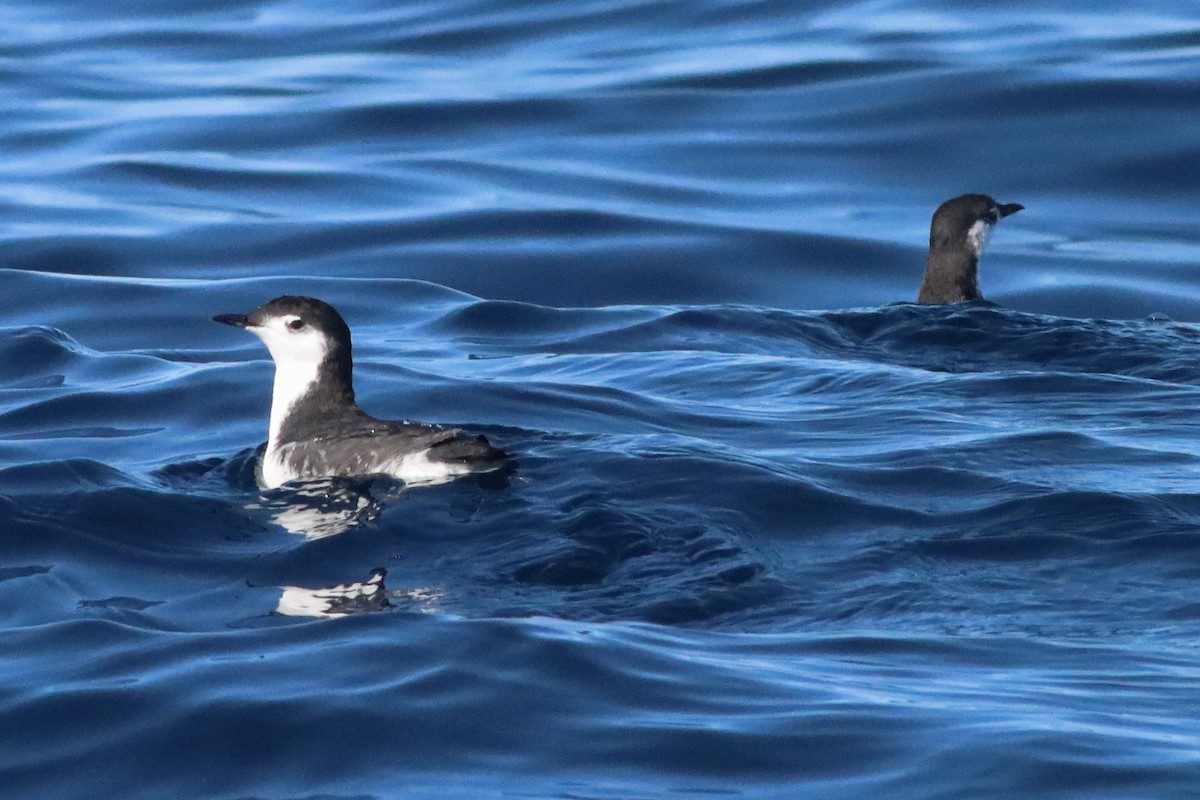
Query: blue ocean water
[[776, 532]]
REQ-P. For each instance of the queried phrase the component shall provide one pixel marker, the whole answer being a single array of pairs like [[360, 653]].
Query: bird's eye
[[296, 324], [993, 216]]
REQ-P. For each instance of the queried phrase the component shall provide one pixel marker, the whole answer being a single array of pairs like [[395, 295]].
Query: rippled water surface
[[775, 531]]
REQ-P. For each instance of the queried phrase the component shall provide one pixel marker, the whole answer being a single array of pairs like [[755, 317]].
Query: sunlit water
[[775, 532]]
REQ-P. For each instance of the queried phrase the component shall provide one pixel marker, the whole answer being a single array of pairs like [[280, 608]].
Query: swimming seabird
[[959, 230], [317, 429]]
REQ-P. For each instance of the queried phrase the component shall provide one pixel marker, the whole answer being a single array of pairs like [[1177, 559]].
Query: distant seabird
[[959, 230]]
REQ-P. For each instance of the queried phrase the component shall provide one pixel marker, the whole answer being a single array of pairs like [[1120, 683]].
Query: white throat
[[297, 357], [293, 380], [978, 235]]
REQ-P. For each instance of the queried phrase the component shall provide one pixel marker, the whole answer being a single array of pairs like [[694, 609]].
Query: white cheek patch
[[978, 235], [289, 346]]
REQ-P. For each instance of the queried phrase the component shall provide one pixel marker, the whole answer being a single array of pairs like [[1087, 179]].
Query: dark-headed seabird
[[317, 429], [959, 230]]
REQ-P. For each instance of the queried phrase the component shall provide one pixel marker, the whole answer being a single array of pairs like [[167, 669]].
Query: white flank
[[415, 469], [418, 468]]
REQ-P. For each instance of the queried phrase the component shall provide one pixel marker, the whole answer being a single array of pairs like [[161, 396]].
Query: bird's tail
[[475, 452]]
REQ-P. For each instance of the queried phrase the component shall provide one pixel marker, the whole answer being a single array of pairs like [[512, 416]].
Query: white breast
[[293, 380], [275, 470]]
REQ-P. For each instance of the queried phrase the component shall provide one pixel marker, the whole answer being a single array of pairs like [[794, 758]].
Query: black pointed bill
[[1007, 209], [236, 320]]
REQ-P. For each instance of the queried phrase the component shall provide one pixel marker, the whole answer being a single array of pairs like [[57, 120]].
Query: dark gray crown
[[311, 311]]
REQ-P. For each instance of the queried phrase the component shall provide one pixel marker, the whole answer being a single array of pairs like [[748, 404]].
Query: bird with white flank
[[318, 430]]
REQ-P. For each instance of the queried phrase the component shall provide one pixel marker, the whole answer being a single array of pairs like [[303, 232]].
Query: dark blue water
[[775, 532]]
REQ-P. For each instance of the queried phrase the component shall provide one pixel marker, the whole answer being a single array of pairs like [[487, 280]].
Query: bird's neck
[[950, 277], [306, 394]]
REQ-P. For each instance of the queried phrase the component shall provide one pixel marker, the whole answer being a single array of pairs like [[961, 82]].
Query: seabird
[[317, 429], [959, 230]]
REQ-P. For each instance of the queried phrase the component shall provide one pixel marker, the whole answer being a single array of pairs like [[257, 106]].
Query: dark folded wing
[[364, 450]]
